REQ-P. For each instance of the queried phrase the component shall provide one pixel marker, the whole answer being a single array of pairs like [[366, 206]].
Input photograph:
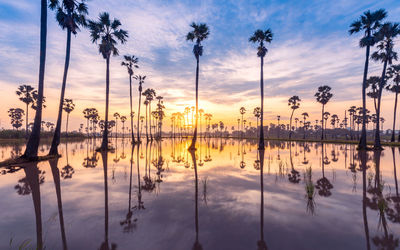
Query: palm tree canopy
[[199, 33], [68, 105], [149, 94], [394, 74], [261, 37], [25, 93], [70, 14], [242, 110], [294, 102], [368, 22], [131, 62], [107, 34], [257, 112], [305, 114], [323, 95], [385, 36]]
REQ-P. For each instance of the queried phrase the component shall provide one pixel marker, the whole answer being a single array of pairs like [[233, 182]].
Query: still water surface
[[159, 196]]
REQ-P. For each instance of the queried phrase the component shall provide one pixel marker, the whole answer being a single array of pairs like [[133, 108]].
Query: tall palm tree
[[394, 74], [131, 62], [386, 34], [199, 33], [146, 103], [70, 16], [294, 103], [373, 84], [25, 93], [305, 115], [140, 79], [68, 107], [107, 33], [150, 94], [242, 111], [257, 113], [323, 96], [32, 145], [352, 111], [368, 23], [260, 37], [116, 115]]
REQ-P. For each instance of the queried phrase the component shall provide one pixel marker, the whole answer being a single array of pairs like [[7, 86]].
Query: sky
[[311, 47]]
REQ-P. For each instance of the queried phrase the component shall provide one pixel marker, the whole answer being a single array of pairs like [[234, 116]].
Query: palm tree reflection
[[324, 186], [261, 245], [196, 245], [56, 177], [105, 244]]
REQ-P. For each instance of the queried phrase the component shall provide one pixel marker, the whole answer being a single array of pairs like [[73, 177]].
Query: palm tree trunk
[[193, 145], [32, 146], [363, 140], [290, 131], [147, 133], [261, 145], [322, 121], [151, 135], [57, 132], [104, 143], [26, 122], [66, 125], [394, 118], [377, 143], [138, 118]]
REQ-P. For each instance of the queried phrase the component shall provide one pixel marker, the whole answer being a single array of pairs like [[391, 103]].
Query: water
[[163, 201]]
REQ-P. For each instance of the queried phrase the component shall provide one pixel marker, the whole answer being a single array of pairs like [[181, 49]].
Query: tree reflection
[[261, 245], [196, 245], [324, 186], [105, 245], [128, 224], [148, 185], [294, 175], [68, 170], [56, 177], [393, 211]]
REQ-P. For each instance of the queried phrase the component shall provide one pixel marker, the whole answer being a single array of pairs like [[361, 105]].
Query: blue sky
[[311, 47]]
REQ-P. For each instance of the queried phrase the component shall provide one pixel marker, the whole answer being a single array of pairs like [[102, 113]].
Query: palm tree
[[260, 37], [394, 74], [25, 93], [305, 115], [242, 111], [199, 33], [16, 117], [373, 83], [352, 111], [325, 120], [116, 116], [68, 107], [131, 62], [386, 34], [141, 81], [257, 113], [201, 112], [123, 120], [107, 33], [34, 139], [150, 94], [294, 103], [146, 103], [323, 96], [368, 23], [70, 16], [87, 112]]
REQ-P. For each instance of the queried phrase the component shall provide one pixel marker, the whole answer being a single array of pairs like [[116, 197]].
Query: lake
[[227, 195]]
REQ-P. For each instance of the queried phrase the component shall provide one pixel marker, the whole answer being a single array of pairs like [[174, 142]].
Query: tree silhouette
[[32, 145], [70, 16], [131, 62], [323, 96], [199, 33], [368, 23], [260, 37], [386, 34], [150, 94], [107, 33], [26, 93], [16, 117], [293, 103], [394, 74], [68, 107], [140, 79]]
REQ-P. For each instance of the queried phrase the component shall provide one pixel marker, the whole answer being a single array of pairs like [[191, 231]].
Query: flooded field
[[159, 196]]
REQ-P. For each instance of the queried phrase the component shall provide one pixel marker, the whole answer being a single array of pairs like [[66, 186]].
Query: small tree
[[323, 96]]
